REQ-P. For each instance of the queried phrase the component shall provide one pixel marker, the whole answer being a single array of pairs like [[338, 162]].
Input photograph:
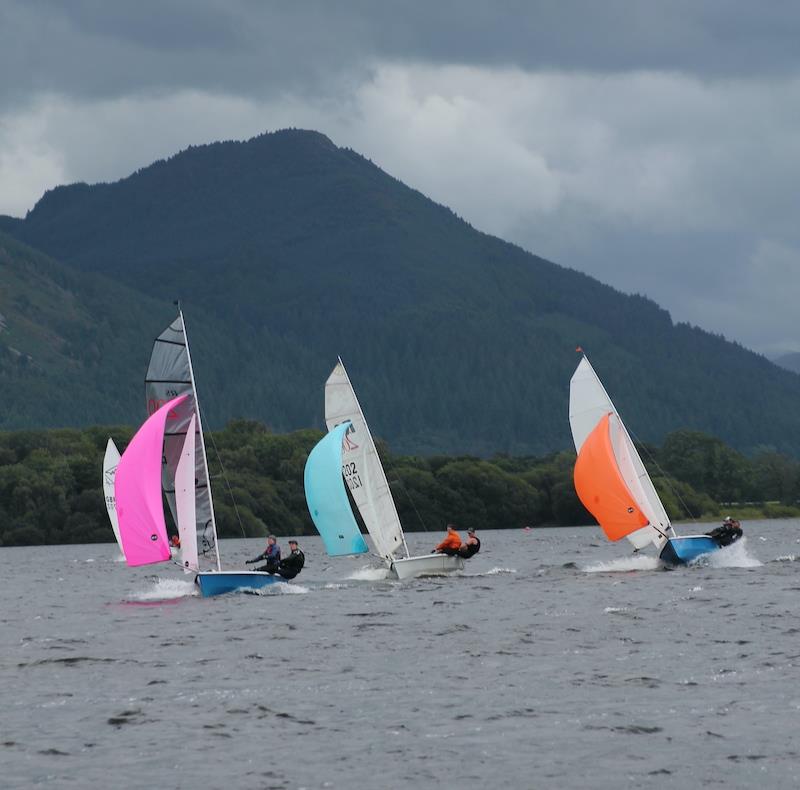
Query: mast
[[202, 438]]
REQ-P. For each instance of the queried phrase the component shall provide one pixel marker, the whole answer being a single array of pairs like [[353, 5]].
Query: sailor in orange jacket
[[451, 544]]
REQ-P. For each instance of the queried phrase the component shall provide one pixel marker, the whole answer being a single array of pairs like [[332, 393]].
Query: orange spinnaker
[[600, 486]]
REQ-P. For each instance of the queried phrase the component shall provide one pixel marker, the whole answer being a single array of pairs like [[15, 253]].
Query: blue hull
[[683, 550], [220, 582]]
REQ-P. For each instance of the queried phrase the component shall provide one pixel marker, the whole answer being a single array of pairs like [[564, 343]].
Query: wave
[[638, 562]]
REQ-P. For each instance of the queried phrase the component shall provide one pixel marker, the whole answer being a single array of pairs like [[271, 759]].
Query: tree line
[[51, 487]]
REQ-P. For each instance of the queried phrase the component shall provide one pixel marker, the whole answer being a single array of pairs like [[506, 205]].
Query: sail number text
[[351, 476]]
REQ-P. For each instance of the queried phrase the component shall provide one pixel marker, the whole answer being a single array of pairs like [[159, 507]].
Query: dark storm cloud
[[99, 49], [94, 49]]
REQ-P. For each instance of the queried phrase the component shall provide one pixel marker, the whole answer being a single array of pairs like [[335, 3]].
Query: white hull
[[426, 565]]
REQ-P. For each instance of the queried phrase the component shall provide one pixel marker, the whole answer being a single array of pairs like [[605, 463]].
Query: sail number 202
[[351, 476]]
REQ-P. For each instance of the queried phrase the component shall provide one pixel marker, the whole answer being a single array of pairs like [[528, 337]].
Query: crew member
[[451, 543], [289, 567], [729, 532], [472, 545], [271, 554]]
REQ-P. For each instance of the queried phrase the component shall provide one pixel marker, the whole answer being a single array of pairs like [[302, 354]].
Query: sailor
[[175, 542], [451, 543], [729, 532], [472, 545], [289, 567], [271, 554]]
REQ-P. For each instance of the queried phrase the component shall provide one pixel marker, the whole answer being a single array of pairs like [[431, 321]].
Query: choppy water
[[554, 662]]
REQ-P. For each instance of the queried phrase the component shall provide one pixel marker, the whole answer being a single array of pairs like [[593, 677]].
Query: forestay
[[169, 375], [327, 498], [361, 467], [588, 404]]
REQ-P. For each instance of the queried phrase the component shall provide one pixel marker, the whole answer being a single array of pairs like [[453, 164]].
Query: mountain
[[790, 361], [67, 339], [288, 251]]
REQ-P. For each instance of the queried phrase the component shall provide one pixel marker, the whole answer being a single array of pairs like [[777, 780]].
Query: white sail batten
[[588, 403], [110, 463], [361, 466], [185, 500], [170, 374]]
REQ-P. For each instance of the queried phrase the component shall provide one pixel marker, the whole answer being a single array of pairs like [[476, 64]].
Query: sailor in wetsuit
[[289, 567], [472, 545], [729, 532], [271, 554]]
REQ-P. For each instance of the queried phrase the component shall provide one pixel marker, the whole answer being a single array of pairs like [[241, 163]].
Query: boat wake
[[638, 562], [281, 588], [494, 572], [277, 588], [166, 589], [733, 556], [369, 574]]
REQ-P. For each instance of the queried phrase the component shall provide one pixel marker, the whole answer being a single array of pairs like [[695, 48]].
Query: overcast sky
[[653, 145]]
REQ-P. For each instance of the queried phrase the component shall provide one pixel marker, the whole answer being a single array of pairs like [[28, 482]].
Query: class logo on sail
[[109, 475], [348, 445]]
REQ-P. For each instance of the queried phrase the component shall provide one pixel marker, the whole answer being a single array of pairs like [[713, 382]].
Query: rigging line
[[227, 483], [407, 493], [666, 478]]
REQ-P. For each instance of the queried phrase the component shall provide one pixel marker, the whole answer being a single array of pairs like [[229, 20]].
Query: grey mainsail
[[170, 374]]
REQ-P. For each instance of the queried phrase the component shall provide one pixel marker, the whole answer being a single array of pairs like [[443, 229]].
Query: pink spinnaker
[[137, 489]]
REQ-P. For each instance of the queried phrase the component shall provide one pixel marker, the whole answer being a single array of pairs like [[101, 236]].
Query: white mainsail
[[170, 374], [588, 403], [361, 466], [185, 500], [110, 463]]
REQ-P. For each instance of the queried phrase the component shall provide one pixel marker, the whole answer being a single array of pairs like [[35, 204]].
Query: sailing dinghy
[[348, 453], [171, 457], [110, 463], [611, 480]]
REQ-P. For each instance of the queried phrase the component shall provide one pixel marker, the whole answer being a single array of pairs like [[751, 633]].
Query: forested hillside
[[288, 251], [69, 342], [50, 484]]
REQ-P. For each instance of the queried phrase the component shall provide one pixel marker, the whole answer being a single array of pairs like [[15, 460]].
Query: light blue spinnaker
[[327, 498]]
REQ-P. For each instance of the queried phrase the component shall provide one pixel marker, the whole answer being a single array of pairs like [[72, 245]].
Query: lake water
[[557, 660]]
